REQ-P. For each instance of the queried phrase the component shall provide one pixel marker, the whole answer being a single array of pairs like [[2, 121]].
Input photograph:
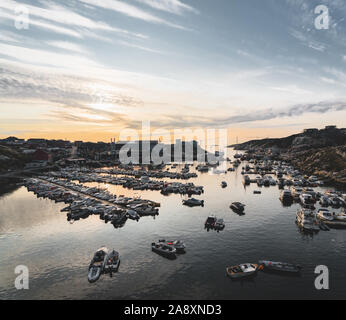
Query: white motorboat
[[177, 244], [242, 270], [96, 266], [306, 199], [163, 249], [325, 215], [306, 220], [341, 216]]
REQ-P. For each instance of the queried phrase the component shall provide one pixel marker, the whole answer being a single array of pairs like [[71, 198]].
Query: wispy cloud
[[172, 6], [69, 46], [63, 17], [307, 41], [140, 47], [131, 11]]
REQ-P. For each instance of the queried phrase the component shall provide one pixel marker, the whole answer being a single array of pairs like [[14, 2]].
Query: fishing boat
[[280, 266], [242, 270], [112, 262], [177, 244], [97, 264], [163, 249], [237, 207]]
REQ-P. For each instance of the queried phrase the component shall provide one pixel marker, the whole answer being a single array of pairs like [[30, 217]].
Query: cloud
[[136, 46], [306, 41], [67, 46], [60, 15], [259, 115], [43, 25], [62, 90], [172, 6], [293, 111], [130, 11], [43, 57]]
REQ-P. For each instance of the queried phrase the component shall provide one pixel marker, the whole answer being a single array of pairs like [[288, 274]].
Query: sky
[[88, 69]]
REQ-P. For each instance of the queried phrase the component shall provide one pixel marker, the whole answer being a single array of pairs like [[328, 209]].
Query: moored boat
[[112, 262], [177, 244], [242, 270], [96, 266], [193, 202], [280, 266], [237, 207], [164, 250], [210, 222]]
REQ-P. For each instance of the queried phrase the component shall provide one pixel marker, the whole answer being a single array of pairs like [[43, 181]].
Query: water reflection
[[35, 233]]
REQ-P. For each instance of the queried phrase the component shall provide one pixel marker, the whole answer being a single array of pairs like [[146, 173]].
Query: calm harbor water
[[33, 232]]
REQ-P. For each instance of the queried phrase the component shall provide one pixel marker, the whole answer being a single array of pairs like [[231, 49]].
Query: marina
[[69, 213]]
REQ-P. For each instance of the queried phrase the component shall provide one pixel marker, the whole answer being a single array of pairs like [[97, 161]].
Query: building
[[310, 131], [41, 155], [330, 127]]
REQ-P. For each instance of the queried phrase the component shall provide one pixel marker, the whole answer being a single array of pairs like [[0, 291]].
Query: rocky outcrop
[[329, 163], [317, 152]]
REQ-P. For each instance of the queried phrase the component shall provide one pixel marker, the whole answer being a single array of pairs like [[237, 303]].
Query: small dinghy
[[164, 250], [97, 264], [177, 244], [219, 225], [280, 266], [112, 262], [242, 270], [237, 207]]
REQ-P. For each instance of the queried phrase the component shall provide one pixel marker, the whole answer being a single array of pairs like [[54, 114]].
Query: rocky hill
[[328, 163], [314, 152], [11, 159], [311, 139]]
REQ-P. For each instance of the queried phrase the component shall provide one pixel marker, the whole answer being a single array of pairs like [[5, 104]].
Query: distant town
[[315, 151]]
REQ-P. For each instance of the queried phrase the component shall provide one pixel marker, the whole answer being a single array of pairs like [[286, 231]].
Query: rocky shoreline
[[321, 153]]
